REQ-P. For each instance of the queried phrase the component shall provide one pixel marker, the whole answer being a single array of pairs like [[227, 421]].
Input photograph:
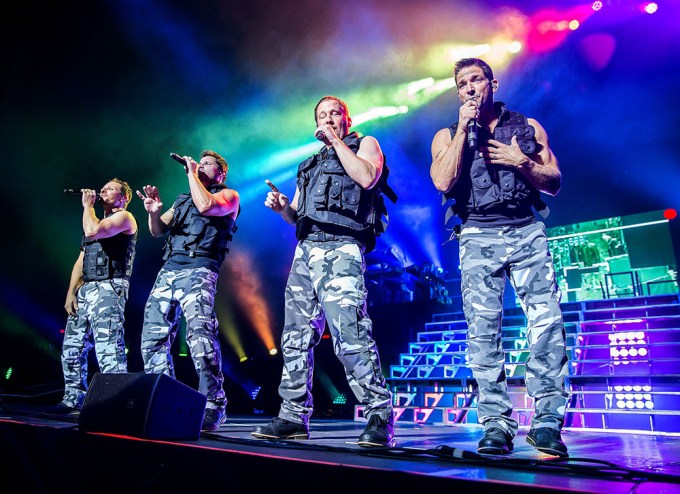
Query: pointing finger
[[271, 185]]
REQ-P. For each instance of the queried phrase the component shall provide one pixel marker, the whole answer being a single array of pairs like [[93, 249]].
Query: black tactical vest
[[483, 188], [195, 235], [329, 196], [108, 258]]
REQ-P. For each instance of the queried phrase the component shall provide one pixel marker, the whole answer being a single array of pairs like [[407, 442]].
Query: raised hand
[[276, 200], [151, 198]]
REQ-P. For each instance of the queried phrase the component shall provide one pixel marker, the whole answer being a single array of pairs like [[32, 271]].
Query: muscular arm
[[71, 304], [119, 222], [222, 203], [289, 212], [158, 223], [447, 158], [365, 166]]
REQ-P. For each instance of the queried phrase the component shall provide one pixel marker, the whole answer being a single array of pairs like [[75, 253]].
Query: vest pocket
[[319, 195], [350, 195]]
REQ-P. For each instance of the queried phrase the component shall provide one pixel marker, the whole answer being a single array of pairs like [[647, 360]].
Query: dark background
[[101, 89]]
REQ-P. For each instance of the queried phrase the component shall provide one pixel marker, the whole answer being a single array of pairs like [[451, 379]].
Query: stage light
[[340, 399], [8, 373], [417, 86], [670, 214], [650, 7], [273, 351], [597, 6], [515, 47], [243, 359], [574, 25]]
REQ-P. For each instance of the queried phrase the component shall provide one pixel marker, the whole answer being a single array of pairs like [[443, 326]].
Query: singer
[[333, 236], [97, 292], [495, 189], [200, 225]]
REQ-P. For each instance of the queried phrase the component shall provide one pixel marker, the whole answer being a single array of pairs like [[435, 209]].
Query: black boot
[[495, 442], [548, 440]]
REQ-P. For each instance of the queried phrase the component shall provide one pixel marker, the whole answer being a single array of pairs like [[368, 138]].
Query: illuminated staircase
[[624, 369]]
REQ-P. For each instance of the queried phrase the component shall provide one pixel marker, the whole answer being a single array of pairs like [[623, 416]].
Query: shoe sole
[[369, 444], [494, 451], [260, 435], [548, 451], [74, 413]]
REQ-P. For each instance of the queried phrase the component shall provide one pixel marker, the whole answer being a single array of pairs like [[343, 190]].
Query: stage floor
[[48, 455]]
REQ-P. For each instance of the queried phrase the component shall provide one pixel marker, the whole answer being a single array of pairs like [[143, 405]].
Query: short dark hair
[[222, 162], [124, 189], [469, 62], [325, 98]]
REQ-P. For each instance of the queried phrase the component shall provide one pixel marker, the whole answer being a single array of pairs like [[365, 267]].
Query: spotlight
[[650, 7], [273, 351], [597, 6]]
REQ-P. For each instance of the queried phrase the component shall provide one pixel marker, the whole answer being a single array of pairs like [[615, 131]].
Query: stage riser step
[[611, 344]]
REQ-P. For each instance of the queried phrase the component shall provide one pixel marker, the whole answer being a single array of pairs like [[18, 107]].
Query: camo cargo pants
[[190, 292], [487, 256], [98, 323], [326, 283]]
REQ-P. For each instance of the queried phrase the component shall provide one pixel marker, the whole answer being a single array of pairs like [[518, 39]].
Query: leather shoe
[[495, 442], [548, 441]]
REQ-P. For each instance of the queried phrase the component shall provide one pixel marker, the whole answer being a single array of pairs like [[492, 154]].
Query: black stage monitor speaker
[[151, 406]]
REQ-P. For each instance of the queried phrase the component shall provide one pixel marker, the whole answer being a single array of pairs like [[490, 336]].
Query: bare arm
[[120, 222], [222, 203], [364, 167], [71, 304], [447, 158]]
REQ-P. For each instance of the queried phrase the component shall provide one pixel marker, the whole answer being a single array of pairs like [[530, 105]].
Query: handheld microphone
[[320, 135], [75, 192], [472, 129], [178, 158], [472, 134]]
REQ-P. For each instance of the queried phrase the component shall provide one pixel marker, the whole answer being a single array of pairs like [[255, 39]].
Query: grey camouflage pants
[[98, 324], [326, 283], [487, 256], [190, 292]]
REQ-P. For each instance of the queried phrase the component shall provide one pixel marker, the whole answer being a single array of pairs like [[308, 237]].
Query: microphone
[[472, 134], [75, 192], [178, 158], [320, 135], [472, 129]]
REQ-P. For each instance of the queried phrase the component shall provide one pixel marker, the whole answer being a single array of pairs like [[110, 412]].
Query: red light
[[670, 214]]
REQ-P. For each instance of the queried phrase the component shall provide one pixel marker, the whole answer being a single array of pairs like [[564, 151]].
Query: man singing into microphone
[[337, 210], [495, 190], [98, 292], [200, 225]]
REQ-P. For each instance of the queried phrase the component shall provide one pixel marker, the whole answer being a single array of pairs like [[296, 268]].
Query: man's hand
[[89, 197], [71, 304], [152, 201], [326, 134], [498, 153], [275, 200]]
